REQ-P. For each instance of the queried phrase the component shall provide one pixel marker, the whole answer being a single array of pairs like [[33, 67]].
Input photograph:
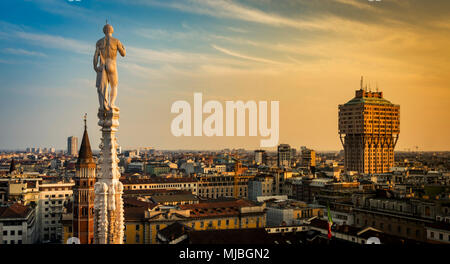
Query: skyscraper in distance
[[369, 127], [260, 157], [72, 146], [308, 157], [284, 155]]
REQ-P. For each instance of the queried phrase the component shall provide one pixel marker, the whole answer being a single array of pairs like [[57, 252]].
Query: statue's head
[[108, 29]]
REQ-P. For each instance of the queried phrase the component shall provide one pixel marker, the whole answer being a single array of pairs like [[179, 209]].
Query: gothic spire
[[85, 154]]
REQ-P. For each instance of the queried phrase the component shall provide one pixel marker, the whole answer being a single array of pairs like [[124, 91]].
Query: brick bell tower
[[83, 192]]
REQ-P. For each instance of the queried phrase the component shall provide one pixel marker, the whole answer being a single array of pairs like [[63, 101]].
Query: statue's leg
[[113, 97], [112, 77], [102, 89], [106, 96], [100, 96]]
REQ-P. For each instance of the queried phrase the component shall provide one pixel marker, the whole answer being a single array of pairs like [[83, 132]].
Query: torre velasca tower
[[369, 126]]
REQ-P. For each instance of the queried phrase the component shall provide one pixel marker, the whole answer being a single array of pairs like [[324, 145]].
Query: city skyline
[[228, 50]]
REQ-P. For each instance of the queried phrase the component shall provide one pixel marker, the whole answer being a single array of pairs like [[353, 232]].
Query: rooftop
[[158, 180], [15, 210]]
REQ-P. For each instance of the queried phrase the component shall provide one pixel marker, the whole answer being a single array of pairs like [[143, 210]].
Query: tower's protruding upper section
[[12, 167], [85, 154]]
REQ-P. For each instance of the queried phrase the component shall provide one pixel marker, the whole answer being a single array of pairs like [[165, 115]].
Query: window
[[13, 232], [432, 234], [5, 233], [441, 236], [19, 232], [137, 227]]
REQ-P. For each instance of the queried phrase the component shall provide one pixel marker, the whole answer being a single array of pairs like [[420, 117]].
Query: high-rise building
[[369, 126], [260, 156], [308, 158], [72, 146], [284, 155], [83, 193]]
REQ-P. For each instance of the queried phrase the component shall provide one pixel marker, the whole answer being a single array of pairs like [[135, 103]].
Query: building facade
[[52, 197], [18, 224], [143, 222], [369, 126], [260, 186], [223, 185], [284, 155], [308, 158], [184, 183], [72, 146], [260, 157]]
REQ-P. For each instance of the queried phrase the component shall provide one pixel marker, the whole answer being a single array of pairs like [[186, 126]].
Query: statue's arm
[[96, 55], [121, 48]]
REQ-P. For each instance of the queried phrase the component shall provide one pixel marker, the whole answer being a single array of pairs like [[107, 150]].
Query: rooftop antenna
[[370, 89], [377, 86], [361, 84]]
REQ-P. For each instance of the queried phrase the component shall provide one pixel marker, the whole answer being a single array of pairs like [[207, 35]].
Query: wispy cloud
[[358, 4], [23, 52], [243, 56], [232, 10], [238, 30], [160, 34], [52, 41]]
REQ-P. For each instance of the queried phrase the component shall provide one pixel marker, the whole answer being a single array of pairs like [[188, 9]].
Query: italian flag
[[330, 223]]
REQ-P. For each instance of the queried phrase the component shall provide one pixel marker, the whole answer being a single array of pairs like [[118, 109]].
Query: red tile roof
[[222, 208], [15, 210]]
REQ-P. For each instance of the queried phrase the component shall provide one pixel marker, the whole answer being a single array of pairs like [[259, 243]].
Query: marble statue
[[106, 49], [108, 204]]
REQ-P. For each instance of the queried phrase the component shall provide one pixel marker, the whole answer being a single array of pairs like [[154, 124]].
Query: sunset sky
[[307, 54]]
